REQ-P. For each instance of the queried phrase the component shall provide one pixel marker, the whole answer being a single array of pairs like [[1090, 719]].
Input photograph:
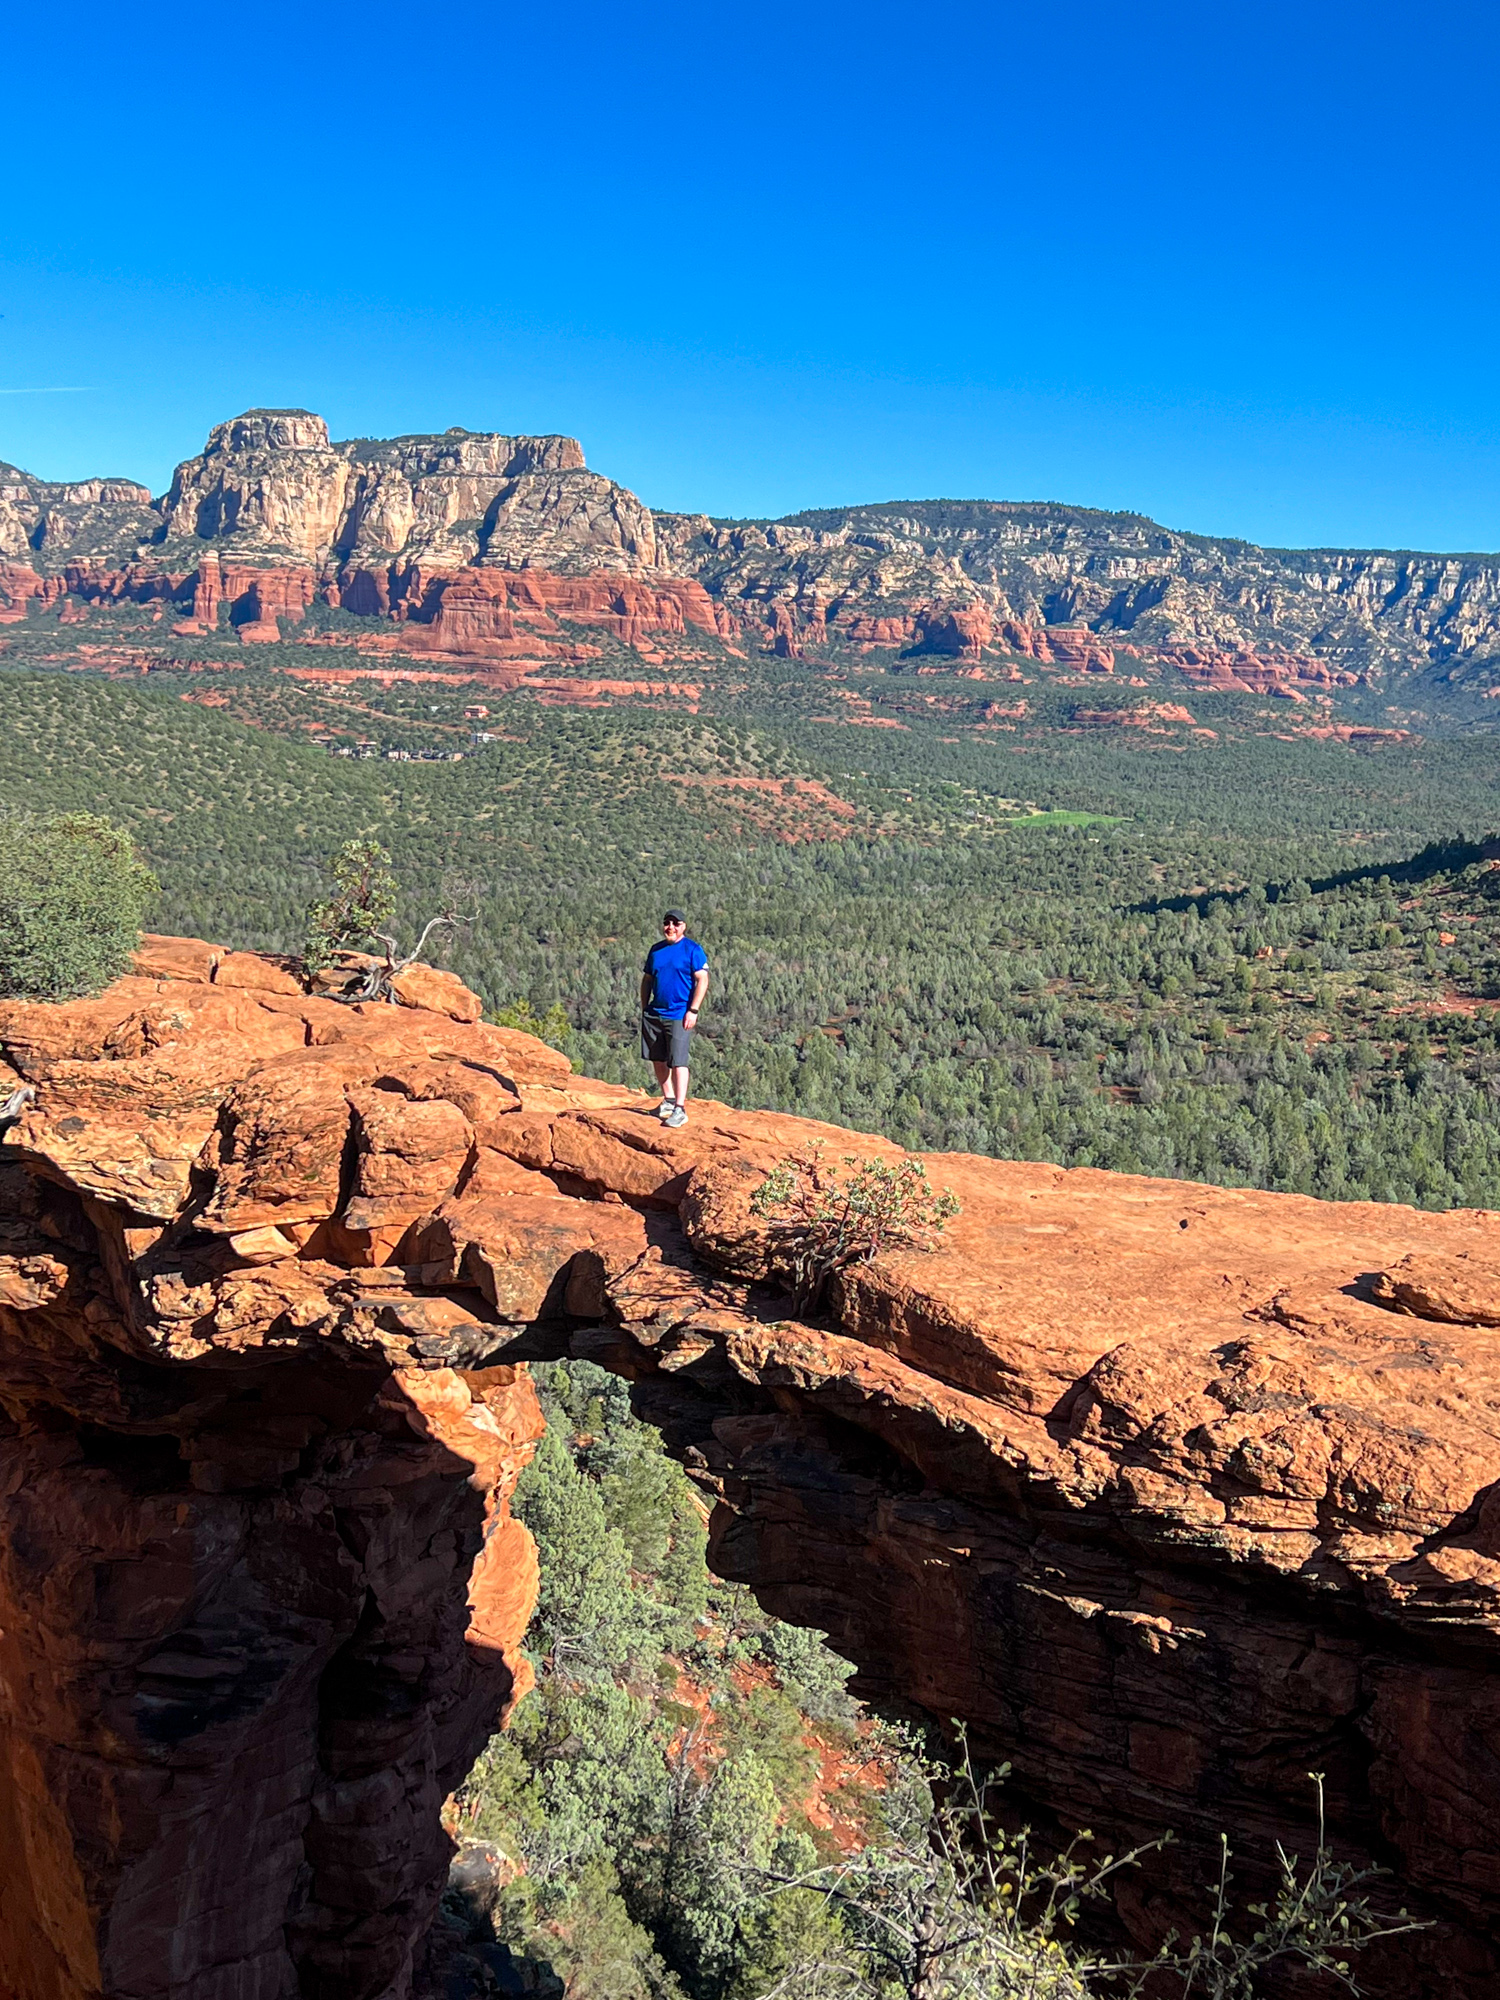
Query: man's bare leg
[[664, 1072], [679, 1085]]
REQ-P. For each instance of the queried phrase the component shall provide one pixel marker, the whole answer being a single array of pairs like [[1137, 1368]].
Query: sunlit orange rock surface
[[1173, 1494]]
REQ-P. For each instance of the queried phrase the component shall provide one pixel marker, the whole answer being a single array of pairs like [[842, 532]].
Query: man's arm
[[700, 987]]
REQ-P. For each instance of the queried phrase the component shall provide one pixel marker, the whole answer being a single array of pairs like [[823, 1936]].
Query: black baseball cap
[[674, 917]]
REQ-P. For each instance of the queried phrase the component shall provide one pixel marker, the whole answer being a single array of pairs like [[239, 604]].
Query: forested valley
[[1243, 958], [681, 1749], [1254, 962]]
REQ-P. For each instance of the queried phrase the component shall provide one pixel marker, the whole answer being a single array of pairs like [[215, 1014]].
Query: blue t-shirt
[[670, 968]]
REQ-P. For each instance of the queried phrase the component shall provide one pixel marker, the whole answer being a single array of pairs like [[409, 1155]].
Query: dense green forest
[[1226, 965]]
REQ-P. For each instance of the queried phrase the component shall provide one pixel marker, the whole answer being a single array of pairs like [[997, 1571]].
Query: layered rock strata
[[470, 614], [1172, 1494], [890, 573], [373, 523]]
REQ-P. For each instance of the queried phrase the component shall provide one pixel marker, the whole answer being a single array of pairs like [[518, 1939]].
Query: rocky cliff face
[[271, 484], [270, 487], [262, 1595], [373, 521], [1360, 611], [43, 523], [1173, 1494]]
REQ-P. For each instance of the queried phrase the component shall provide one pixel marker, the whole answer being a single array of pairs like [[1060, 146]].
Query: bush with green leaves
[[814, 1678], [551, 1026], [826, 1216], [73, 896], [358, 913], [951, 1906], [361, 905], [633, 1810]]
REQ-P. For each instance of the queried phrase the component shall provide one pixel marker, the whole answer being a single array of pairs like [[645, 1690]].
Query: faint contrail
[[71, 389]]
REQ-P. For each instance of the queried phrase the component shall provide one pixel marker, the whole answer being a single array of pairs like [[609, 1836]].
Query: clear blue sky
[[1232, 264]]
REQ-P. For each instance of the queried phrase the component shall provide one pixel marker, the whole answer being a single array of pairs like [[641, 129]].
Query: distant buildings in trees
[[367, 747]]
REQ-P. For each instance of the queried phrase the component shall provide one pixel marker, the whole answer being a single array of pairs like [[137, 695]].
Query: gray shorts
[[664, 1041]]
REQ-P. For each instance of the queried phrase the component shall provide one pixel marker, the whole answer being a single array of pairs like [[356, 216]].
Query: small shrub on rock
[[553, 1027], [828, 1215], [357, 914], [73, 894]]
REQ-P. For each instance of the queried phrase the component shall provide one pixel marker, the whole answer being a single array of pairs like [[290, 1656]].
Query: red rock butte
[[1173, 1494]]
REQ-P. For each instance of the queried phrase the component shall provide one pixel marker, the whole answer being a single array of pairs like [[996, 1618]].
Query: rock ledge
[[1172, 1493]]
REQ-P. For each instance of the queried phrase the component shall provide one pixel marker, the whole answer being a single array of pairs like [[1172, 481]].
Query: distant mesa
[[387, 527], [269, 430]]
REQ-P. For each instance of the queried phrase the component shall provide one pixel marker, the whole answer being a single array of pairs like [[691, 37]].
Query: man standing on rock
[[674, 980]]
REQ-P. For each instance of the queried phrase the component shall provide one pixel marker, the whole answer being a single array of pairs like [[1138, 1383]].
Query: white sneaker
[[667, 1106], [677, 1118]]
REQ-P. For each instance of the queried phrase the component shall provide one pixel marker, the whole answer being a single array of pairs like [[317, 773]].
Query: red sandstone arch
[[1173, 1493]]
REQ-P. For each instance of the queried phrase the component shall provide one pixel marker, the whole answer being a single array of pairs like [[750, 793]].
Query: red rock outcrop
[[967, 631], [471, 613], [466, 613], [1253, 673], [1172, 1493], [262, 1597], [1353, 734], [893, 629], [20, 586], [1058, 645], [257, 594], [781, 625], [577, 692], [1151, 715], [99, 583], [257, 598], [963, 629]]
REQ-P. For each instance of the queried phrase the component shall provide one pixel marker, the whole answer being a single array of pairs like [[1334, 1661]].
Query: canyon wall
[[362, 518], [1116, 576], [1173, 1494], [260, 1594]]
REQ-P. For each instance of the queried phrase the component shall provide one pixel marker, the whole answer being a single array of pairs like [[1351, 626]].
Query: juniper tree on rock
[[357, 915]]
